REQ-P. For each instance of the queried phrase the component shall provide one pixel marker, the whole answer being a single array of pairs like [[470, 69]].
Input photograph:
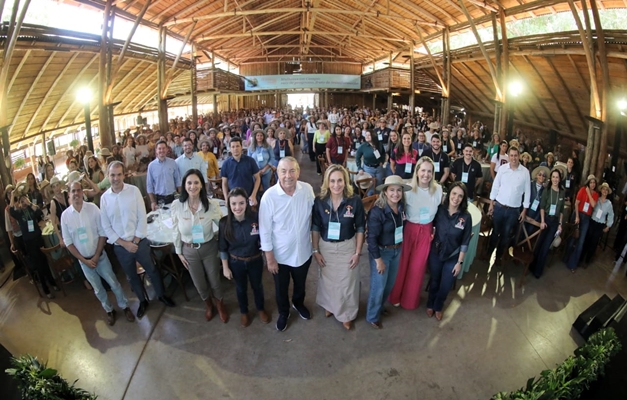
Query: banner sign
[[302, 81]]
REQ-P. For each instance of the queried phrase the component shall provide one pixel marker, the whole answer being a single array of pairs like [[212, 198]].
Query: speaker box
[[599, 315]]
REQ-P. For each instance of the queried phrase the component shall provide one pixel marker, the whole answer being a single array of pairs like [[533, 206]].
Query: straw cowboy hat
[[8, 188], [590, 177], [43, 184], [321, 122], [73, 176], [606, 186], [288, 134], [393, 180], [56, 180], [365, 175], [562, 167], [537, 170], [105, 152]]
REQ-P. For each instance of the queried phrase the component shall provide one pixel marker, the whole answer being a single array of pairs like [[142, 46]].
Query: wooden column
[[193, 88], [214, 97], [412, 79], [498, 106], [374, 101], [105, 117], [605, 89], [161, 83], [446, 72], [390, 101], [504, 70]]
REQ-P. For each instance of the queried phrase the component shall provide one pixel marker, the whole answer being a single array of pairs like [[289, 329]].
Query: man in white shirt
[[284, 228], [85, 239], [512, 184], [123, 218]]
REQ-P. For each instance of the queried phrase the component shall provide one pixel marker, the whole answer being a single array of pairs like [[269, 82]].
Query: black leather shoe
[[142, 309], [167, 301]]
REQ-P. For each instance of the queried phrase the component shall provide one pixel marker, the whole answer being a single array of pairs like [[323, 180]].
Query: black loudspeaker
[[599, 315], [552, 137], [50, 149]]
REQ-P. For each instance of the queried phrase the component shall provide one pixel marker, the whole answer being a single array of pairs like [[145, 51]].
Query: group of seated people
[[420, 218]]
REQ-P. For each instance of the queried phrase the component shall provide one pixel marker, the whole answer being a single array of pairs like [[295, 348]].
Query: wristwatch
[[316, 251], [136, 242]]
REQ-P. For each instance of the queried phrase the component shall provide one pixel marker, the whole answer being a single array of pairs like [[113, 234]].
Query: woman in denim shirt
[[263, 154], [385, 237]]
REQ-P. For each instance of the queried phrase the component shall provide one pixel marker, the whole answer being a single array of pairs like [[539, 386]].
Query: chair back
[[60, 260], [527, 238], [369, 202], [162, 255], [364, 185], [216, 187], [323, 164]]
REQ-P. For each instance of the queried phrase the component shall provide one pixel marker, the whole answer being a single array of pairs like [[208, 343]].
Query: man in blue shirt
[[190, 160], [163, 177], [177, 149], [240, 170]]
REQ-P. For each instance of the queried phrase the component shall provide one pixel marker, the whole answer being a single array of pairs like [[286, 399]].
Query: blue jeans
[[104, 270], [243, 271], [381, 284], [543, 246], [142, 255], [441, 281], [377, 172], [576, 245], [265, 180], [504, 219]]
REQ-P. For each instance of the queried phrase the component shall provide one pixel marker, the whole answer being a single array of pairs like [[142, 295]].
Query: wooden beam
[[504, 68], [142, 82], [18, 69], [537, 100], [29, 92], [487, 103], [435, 68], [605, 87], [67, 111], [564, 86], [203, 38], [473, 73], [499, 95], [547, 87], [140, 16], [234, 13], [421, 11], [483, 5]]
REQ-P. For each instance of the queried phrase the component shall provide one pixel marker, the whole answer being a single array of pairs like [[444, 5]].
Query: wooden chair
[[485, 230], [64, 262], [162, 255], [364, 185], [523, 250], [217, 189], [369, 202], [322, 161]]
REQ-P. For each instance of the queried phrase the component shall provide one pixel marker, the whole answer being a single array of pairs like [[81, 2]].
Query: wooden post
[[214, 97], [446, 69], [412, 80], [104, 76], [504, 69], [161, 77], [193, 88], [498, 106], [374, 101], [390, 101], [605, 88]]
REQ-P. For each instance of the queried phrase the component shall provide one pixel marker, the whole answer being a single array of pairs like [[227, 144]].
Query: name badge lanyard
[[398, 230], [334, 227], [553, 207], [465, 173], [536, 202], [198, 235]]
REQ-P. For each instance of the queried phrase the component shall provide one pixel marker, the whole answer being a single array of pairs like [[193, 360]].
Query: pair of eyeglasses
[[544, 175]]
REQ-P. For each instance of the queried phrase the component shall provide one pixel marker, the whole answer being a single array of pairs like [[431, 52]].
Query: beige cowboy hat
[[365, 175], [56, 180], [105, 152], [43, 184], [393, 180], [605, 185], [562, 167], [556, 242], [8, 188], [590, 177], [537, 170], [288, 134], [321, 122], [73, 176]]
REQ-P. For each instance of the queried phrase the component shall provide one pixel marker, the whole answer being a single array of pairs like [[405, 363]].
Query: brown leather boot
[[224, 314], [264, 317], [245, 320], [209, 311]]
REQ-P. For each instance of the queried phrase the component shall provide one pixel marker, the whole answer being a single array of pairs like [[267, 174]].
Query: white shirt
[[498, 160], [123, 215], [85, 240], [183, 220], [333, 118], [422, 200], [510, 185], [285, 223]]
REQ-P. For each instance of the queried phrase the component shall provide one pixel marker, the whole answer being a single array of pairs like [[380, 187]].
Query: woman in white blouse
[[421, 205], [195, 241]]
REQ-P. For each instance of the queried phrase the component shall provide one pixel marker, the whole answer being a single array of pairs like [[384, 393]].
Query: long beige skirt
[[338, 285]]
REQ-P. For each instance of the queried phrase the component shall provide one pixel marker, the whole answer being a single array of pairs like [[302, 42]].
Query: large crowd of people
[[426, 176]]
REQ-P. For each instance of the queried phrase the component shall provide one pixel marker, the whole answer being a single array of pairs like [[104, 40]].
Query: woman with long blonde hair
[[422, 203]]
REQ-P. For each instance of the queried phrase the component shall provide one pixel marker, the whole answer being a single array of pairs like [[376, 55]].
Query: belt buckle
[[196, 246]]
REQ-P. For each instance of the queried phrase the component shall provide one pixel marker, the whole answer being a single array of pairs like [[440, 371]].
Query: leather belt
[[394, 246], [193, 245], [371, 166], [504, 206], [245, 258]]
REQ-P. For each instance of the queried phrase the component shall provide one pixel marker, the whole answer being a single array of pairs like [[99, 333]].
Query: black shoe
[[281, 323], [302, 311], [111, 318], [143, 305], [167, 301]]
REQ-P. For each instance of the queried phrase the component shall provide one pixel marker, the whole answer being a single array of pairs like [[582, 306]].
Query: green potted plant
[[38, 382], [19, 163], [74, 143]]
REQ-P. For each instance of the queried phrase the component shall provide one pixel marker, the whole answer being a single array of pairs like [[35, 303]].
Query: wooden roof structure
[[48, 64]]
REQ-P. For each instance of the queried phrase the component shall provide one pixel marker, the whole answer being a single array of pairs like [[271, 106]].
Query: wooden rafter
[[565, 88], [18, 70], [30, 90], [486, 102], [132, 91], [435, 67], [537, 99]]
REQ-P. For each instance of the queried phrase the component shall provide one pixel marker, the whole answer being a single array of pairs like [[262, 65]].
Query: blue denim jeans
[[244, 271], [441, 280], [378, 173], [504, 219], [142, 256], [104, 270], [576, 245], [381, 284], [543, 246]]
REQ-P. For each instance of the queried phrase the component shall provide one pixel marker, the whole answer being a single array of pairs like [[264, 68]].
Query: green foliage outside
[[19, 163], [569, 379], [38, 382]]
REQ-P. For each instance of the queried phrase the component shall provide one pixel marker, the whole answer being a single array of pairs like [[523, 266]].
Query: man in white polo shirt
[[284, 230], [510, 185], [85, 239]]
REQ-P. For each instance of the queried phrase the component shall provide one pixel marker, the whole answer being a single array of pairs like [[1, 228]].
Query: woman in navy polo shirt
[[372, 154], [240, 253], [453, 228], [263, 154], [338, 219]]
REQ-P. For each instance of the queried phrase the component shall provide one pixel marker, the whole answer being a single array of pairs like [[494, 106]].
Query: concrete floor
[[494, 337]]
